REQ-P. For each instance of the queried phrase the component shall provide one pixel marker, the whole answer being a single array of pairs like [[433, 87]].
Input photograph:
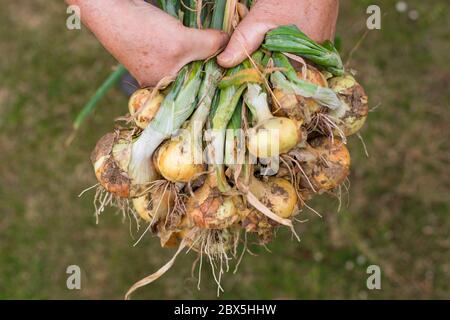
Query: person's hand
[[148, 42], [316, 18]]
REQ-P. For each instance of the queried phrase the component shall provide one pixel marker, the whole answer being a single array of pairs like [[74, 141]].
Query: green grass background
[[397, 218]]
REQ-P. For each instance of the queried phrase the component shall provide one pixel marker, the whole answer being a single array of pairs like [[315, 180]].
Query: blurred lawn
[[398, 216]]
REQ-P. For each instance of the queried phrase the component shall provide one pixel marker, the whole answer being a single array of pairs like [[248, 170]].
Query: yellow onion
[[277, 194], [332, 164], [274, 136], [271, 136], [142, 108], [154, 206], [209, 208], [354, 109], [177, 159], [111, 158], [107, 169]]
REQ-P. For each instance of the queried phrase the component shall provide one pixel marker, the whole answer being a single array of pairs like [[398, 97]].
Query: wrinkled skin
[[148, 42]]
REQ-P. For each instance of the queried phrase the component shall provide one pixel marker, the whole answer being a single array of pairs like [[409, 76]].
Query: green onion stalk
[[180, 159], [170, 6], [234, 140], [290, 39], [228, 101], [289, 82]]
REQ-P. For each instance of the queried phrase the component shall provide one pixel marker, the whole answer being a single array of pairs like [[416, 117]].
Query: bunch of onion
[[178, 159], [121, 177], [260, 110], [210, 212]]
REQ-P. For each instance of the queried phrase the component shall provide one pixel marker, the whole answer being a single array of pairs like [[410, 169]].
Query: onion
[[108, 170], [354, 109], [209, 208], [176, 108], [111, 158], [142, 108], [277, 194], [271, 136], [331, 165], [154, 206], [176, 159], [180, 159]]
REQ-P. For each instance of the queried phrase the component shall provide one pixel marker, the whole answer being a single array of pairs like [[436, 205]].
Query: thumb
[[206, 43], [246, 39]]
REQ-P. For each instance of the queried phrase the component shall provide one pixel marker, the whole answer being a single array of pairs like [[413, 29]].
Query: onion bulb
[[352, 113], [180, 158], [277, 194], [111, 158], [271, 136], [143, 107], [331, 165], [109, 170], [154, 206], [209, 208]]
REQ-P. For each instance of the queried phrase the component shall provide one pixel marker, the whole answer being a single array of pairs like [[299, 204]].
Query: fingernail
[[227, 57]]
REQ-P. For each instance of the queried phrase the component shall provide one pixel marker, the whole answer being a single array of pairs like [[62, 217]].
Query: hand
[[148, 42], [316, 18]]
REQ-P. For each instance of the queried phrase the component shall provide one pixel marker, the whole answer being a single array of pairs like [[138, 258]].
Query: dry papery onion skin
[[143, 106], [107, 170], [355, 104], [333, 165], [208, 208]]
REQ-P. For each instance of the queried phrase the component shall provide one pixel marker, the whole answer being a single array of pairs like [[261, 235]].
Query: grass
[[398, 216]]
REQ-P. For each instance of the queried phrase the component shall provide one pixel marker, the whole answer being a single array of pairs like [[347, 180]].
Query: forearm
[[150, 43], [116, 24]]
